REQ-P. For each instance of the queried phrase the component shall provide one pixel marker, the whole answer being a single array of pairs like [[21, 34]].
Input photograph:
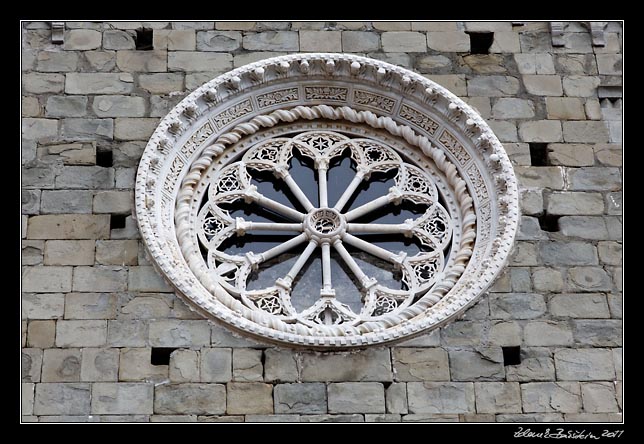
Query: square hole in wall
[[161, 355], [104, 158], [117, 221], [480, 42], [511, 355], [549, 222], [538, 154], [143, 39]]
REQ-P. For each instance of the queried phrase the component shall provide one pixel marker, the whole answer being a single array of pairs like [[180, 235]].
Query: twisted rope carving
[[241, 130]]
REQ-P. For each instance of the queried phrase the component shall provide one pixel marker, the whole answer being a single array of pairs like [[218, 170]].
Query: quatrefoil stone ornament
[[326, 201]]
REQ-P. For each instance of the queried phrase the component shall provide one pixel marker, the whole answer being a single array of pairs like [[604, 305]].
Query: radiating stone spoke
[[327, 287], [405, 228], [297, 191], [374, 249], [365, 281], [277, 250], [368, 207], [282, 209], [243, 226], [323, 188], [287, 280], [355, 183]]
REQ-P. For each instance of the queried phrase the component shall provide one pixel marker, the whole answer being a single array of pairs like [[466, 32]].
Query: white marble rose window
[[326, 200]]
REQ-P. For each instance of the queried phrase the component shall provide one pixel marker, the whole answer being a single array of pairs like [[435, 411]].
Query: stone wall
[[96, 317]]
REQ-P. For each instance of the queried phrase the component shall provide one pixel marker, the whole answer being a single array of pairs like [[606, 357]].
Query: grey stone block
[[396, 398], [69, 252], [175, 39], [82, 39], [122, 398], [184, 366], [196, 399], [320, 41], [536, 364], [517, 305], [599, 397], [69, 153], [249, 397], [32, 252], [368, 365], [99, 364], [547, 333], [100, 278], [81, 130], [551, 397], [46, 279], [162, 83], [492, 86], [179, 333], [115, 202], [37, 83], [360, 41], [85, 177], [199, 61], [441, 397], [541, 177], [356, 397], [78, 226], [99, 83], [307, 398], [420, 364], [126, 128], [598, 332], [497, 397], [42, 130], [583, 305], [135, 365], [27, 398], [247, 365], [41, 334], [505, 333], [117, 252], [146, 279], [271, 41], [127, 333], [81, 333], [31, 364], [584, 364], [512, 108], [568, 253], [61, 365], [280, 365], [66, 201], [542, 131], [216, 364], [543, 85], [62, 399], [66, 106], [585, 131], [117, 39], [462, 333], [588, 279], [580, 86], [43, 306], [575, 203], [332, 418], [142, 61], [481, 364], [218, 40], [448, 41], [118, 106], [100, 61]]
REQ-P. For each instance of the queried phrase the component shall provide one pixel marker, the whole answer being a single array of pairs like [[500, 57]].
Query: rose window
[[326, 200]]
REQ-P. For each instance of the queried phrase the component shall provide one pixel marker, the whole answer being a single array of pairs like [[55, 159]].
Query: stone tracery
[[186, 226]]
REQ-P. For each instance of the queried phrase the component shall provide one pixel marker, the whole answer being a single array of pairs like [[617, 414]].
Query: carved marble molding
[[206, 152]]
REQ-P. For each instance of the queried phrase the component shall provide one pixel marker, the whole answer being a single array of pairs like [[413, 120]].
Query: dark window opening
[[161, 355], [511, 355], [144, 39], [539, 154], [104, 158], [117, 221], [549, 222], [480, 42]]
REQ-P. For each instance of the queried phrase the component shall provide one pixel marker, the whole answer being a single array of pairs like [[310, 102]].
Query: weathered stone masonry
[[93, 308]]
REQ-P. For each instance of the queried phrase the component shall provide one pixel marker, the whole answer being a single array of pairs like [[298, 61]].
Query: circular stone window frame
[[331, 88]]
